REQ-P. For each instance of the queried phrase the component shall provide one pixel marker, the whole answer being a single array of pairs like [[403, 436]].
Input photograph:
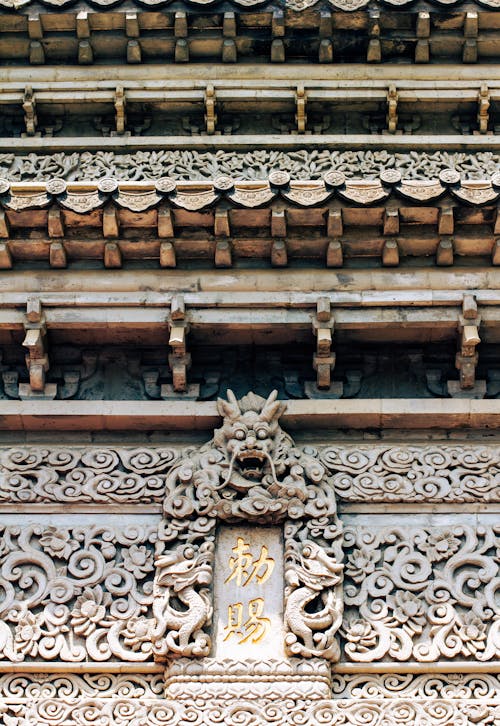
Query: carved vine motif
[[423, 594], [77, 474], [251, 471], [301, 712], [187, 164], [414, 473], [76, 593]]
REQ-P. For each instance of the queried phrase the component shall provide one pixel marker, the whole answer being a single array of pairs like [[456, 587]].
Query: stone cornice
[[198, 415]]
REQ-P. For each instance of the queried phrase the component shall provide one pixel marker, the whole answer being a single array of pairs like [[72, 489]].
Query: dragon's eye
[[239, 434], [262, 434]]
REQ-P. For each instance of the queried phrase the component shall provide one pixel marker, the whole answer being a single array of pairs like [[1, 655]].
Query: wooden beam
[[57, 255], [167, 255], [390, 253], [334, 255], [279, 255], [112, 255], [444, 252], [223, 256]]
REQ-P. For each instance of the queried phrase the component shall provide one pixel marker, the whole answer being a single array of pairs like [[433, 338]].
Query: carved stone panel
[[248, 593], [76, 589], [421, 588]]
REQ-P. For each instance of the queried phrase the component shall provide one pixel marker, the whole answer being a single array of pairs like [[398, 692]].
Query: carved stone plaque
[[248, 593]]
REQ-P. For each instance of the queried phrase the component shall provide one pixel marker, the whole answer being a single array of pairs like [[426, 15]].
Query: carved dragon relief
[[250, 471]]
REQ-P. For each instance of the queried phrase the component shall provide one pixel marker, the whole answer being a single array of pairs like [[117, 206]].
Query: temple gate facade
[[249, 363]]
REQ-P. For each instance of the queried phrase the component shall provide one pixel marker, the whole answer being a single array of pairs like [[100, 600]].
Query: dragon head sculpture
[[251, 437], [251, 469]]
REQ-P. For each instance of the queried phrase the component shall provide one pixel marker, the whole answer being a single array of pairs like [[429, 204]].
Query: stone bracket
[[324, 359], [37, 359], [467, 358], [179, 359]]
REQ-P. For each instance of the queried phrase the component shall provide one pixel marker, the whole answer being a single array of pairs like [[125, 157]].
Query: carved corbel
[[392, 110], [466, 358], [179, 359], [210, 109], [324, 358], [29, 108], [120, 110], [37, 359]]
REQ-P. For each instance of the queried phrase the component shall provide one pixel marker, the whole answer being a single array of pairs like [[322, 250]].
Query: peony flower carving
[[440, 546], [138, 560], [89, 610], [57, 542]]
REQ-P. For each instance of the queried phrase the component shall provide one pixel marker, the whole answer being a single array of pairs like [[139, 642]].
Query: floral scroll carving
[[189, 164], [424, 594], [77, 593], [251, 471]]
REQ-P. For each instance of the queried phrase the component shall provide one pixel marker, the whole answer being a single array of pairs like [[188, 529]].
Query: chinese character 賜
[[254, 629], [244, 568]]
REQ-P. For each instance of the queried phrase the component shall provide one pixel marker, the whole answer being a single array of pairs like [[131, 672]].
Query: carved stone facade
[[323, 597], [249, 363]]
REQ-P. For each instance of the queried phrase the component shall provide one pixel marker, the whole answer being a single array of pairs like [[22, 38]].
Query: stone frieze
[[20, 687], [189, 164], [410, 473], [136, 712], [408, 685], [380, 473], [84, 474]]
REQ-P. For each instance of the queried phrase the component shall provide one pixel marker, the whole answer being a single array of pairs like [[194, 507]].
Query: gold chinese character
[[244, 568], [254, 629], [256, 626]]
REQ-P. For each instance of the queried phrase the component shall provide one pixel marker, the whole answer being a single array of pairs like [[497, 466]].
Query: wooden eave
[[53, 31], [331, 222]]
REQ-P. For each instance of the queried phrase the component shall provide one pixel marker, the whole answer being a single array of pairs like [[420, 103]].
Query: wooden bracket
[[210, 109], [300, 103], [37, 359], [467, 358], [483, 109], [120, 106], [392, 109], [29, 108], [179, 359], [324, 359]]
